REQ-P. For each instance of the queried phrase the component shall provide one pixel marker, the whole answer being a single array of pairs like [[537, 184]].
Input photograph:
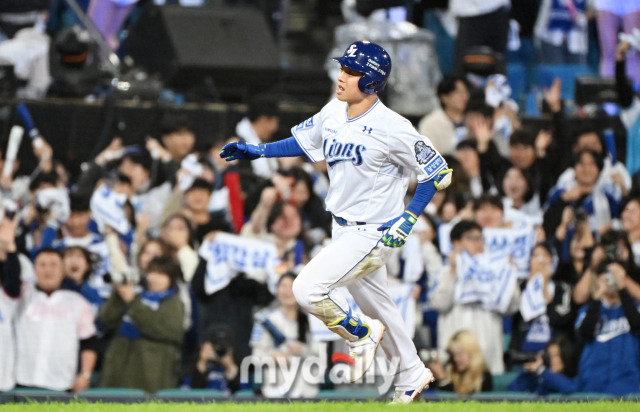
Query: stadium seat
[[178, 395], [544, 74], [33, 390], [37, 394], [113, 395], [244, 393], [114, 391], [501, 382]]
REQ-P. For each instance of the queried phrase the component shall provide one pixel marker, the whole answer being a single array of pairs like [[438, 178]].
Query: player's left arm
[[410, 149], [400, 227]]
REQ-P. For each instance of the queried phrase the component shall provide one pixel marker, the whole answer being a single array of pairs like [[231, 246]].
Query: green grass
[[471, 406]]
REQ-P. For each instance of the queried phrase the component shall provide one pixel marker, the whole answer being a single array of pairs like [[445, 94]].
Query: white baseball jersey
[[8, 307], [48, 330], [370, 159]]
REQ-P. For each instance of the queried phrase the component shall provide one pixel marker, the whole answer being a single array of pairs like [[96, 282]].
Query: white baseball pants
[[356, 260]]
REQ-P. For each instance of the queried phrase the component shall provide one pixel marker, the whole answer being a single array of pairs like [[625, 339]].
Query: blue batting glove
[[443, 179], [242, 150], [398, 229]]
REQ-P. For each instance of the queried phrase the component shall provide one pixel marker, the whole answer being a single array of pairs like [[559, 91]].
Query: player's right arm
[[242, 150]]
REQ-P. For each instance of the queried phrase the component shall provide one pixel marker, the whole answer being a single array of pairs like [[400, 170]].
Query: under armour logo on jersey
[[351, 51], [337, 152], [367, 130]]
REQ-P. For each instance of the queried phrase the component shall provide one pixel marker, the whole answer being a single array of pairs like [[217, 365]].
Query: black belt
[[344, 222]]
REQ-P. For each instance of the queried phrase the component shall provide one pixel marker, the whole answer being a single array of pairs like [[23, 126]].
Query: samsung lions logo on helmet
[[423, 152], [351, 51]]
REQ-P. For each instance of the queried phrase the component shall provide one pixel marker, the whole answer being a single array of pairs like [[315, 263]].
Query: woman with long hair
[[466, 371]]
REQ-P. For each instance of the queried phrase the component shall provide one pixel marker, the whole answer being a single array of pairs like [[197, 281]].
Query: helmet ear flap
[[367, 85]]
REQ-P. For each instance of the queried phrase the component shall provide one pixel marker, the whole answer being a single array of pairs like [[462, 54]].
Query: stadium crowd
[[162, 267]]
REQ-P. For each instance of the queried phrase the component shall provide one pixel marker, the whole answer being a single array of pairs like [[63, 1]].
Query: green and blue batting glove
[[443, 179], [398, 229]]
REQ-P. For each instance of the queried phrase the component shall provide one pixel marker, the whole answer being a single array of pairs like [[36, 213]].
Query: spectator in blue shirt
[[608, 326]]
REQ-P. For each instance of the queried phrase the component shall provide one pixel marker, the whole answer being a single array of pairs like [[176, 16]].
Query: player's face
[[49, 271], [347, 90]]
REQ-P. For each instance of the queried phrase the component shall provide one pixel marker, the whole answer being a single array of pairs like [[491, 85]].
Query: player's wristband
[[422, 197]]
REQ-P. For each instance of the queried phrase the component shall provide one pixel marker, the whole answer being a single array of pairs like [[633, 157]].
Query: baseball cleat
[[363, 350], [403, 397]]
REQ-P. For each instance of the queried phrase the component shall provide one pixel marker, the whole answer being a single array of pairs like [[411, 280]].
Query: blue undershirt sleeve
[[284, 148], [422, 197]]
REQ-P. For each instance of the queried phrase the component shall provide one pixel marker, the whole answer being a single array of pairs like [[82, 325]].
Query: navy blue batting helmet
[[369, 59]]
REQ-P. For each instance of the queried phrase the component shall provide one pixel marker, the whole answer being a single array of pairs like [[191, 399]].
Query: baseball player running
[[371, 153]]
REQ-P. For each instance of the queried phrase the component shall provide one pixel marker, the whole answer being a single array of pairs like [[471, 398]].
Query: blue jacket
[[610, 360]]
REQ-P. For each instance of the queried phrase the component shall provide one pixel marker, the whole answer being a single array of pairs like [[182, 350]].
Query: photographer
[[608, 326], [549, 372], [614, 245], [466, 371], [145, 351], [215, 367]]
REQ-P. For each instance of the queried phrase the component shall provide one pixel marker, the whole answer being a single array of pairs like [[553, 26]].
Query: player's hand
[[443, 179], [398, 229], [242, 150]]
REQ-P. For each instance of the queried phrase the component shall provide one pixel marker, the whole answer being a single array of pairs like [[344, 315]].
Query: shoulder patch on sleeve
[[306, 124], [423, 152], [434, 166]]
